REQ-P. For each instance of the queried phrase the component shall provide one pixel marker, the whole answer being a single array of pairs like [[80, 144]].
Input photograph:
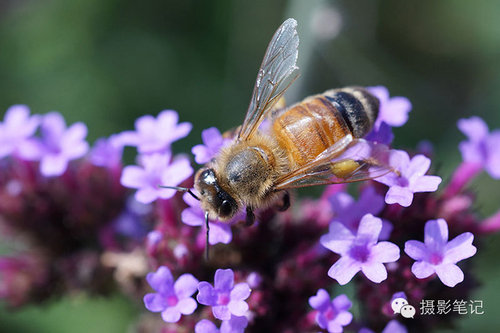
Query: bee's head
[[214, 199]]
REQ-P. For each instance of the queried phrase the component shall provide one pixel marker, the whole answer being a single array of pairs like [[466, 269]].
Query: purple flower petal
[[186, 306], [185, 286], [385, 252], [416, 250], [449, 274], [155, 302], [205, 326], [426, 184], [474, 127], [338, 239], [460, 248], [374, 271], [436, 234], [320, 301], [224, 279], [240, 292], [400, 195], [344, 318], [238, 308], [162, 280], [234, 325], [206, 294], [341, 302], [221, 312], [344, 269], [53, 165], [146, 195], [422, 269], [190, 217], [171, 315], [369, 229]]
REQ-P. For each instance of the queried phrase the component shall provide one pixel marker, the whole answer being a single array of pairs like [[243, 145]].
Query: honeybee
[[315, 142]]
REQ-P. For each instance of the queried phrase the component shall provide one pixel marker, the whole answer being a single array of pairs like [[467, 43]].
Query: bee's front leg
[[286, 202]]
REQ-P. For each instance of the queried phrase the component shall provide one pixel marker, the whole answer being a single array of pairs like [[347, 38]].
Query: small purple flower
[[220, 232], [107, 152], [412, 178], [349, 212], [483, 147], [212, 143], [331, 315], [57, 145], [393, 111], [234, 325], [156, 170], [225, 298], [155, 135], [437, 255], [16, 128], [359, 252], [171, 299]]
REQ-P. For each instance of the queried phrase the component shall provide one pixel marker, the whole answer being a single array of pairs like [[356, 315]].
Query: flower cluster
[[401, 236]]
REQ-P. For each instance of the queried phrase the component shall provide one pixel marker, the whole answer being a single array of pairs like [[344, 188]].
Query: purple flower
[[234, 325], [412, 178], [393, 111], [57, 145], [225, 298], [220, 232], [483, 147], [331, 315], [107, 152], [17, 126], [393, 326], [437, 255], [156, 170], [349, 212], [212, 143], [153, 135], [359, 252], [171, 299]]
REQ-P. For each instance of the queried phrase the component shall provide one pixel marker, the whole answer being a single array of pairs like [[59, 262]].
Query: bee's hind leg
[[286, 202], [250, 218]]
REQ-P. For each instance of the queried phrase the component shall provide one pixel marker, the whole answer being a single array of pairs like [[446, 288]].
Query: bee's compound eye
[[225, 208]]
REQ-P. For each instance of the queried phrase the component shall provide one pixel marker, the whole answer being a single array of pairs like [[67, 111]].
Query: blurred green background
[[107, 62]]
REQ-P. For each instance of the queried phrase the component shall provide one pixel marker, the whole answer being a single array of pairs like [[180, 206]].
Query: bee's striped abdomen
[[308, 128]]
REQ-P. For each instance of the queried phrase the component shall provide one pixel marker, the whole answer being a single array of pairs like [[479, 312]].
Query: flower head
[[57, 145], [155, 170], [212, 143], [153, 135], [16, 128], [220, 232], [359, 252], [437, 255], [482, 147], [332, 315], [171, 299], [225, 298], [411, 178], [233, 325]]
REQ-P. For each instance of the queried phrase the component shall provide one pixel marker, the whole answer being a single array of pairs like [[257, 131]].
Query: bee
[[315, 142]]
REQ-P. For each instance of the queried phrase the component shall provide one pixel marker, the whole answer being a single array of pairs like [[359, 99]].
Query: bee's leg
[[286, 202], [250, 219]]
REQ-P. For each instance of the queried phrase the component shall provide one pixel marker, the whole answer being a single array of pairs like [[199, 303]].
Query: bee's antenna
[[181, 189], [208, 229]]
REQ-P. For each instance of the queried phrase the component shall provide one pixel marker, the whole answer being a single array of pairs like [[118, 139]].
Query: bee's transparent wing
[[348, 160], [276, 74]]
